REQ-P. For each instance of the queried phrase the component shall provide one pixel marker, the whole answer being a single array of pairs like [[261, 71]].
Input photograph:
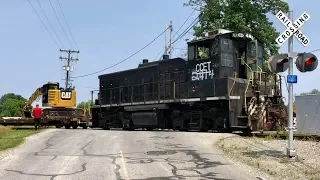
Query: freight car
[[220, 86]]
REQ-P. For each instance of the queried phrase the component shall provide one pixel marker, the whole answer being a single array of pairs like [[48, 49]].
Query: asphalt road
[[62, 154]]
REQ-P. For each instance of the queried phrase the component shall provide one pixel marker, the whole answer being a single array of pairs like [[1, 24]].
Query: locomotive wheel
[[75, 126], [67, 126]]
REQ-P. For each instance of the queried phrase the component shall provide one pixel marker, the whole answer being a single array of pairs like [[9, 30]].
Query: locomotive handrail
[[261, 71], [234, 82], [245, 93]]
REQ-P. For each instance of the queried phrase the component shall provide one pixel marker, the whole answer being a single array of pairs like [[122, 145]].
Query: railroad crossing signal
[[293, 28], [305, 62], [278, 63]]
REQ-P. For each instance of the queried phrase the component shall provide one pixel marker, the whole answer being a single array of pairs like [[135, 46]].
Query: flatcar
[[221, 86]]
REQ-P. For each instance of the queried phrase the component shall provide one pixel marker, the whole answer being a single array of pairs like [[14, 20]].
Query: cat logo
[[66, 95]]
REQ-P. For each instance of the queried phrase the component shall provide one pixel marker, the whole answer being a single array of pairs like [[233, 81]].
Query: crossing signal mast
[[305, 62]]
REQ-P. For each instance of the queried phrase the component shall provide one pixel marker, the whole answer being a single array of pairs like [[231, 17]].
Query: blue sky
[[106, 32]]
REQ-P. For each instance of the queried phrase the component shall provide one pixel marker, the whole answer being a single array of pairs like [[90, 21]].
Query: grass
[[12, 137]]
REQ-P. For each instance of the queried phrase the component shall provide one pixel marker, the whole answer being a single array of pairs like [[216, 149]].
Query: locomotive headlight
[[240, 35]]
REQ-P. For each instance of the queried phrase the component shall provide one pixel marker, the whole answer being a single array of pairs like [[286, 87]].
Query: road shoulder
[[22, 138], [268, 156]]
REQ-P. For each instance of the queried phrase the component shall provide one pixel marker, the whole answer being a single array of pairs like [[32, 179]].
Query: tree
[[11, 105], [247, 16], [85, 105], [313, 91]]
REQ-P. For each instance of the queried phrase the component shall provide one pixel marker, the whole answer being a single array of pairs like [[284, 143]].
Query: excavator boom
[[27, 108]]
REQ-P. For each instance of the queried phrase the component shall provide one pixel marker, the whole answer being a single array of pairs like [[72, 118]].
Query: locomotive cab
[[222, 53]]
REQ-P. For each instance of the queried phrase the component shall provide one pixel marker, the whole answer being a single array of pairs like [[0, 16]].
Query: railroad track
[[284, 135]]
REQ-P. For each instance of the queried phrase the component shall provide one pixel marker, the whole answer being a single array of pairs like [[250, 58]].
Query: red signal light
[[308, 62]]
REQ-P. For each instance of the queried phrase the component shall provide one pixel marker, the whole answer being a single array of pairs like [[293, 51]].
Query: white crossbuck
[[293, 28]]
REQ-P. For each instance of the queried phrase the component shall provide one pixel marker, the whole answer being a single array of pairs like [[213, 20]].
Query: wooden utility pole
[[68, 67]]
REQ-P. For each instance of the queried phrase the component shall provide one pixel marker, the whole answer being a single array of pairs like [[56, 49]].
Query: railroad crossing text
[[293, 28]]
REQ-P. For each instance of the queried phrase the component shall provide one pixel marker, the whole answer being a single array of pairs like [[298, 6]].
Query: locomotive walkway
[[97, 154]]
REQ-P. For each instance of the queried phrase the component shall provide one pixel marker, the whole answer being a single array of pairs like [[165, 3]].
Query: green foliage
[[246, 16], [85, 105], [10, 138], [313, 91], [11, 105]]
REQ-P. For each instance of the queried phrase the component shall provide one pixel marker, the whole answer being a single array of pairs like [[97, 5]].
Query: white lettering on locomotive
[[203, 71], [66, 95]]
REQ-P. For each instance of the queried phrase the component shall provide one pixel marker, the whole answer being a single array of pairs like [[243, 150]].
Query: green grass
[[10, 138]]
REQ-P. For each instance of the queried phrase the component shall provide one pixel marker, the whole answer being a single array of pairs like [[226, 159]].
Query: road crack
[[52, 176]]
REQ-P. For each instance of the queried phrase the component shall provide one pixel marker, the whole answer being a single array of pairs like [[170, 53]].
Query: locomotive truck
[[225, 90]]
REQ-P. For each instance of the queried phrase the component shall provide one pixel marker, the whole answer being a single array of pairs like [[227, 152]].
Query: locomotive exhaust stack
[[145, 61]]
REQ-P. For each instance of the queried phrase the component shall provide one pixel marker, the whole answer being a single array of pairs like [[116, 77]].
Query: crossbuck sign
[[293, 28]]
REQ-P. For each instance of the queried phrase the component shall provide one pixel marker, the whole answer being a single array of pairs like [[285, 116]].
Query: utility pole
[[165, 42], [170, 39], [68, 67]]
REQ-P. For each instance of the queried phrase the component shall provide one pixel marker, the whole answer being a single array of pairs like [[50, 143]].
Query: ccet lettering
[[203, 71], [292, 28]]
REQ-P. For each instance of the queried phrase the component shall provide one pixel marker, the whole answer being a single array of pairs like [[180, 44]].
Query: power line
[[315, 50], [50, 23], [176, 32], [125, 58], [194, 22], [67, 25], [44, 24], [60, 23]]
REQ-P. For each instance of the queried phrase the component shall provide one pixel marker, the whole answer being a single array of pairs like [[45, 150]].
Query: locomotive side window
[[260, 55], [191, 52], [226, 59], [251, 51], [226, 52]]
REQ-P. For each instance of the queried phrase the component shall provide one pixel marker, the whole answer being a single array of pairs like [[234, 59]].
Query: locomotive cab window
[[203, 50]]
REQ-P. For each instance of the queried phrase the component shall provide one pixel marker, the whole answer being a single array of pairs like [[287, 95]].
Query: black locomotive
[[220, 86]]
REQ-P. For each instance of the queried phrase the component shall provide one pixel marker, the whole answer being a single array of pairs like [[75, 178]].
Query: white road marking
[[125, 172]]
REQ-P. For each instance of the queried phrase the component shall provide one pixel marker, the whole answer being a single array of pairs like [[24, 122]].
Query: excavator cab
[[27, 109]]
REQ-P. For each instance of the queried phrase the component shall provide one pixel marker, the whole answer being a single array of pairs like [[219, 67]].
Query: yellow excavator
[[59, 107]]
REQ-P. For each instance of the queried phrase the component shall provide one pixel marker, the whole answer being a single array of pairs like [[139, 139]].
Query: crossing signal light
[[278, 63], [306, 62]]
